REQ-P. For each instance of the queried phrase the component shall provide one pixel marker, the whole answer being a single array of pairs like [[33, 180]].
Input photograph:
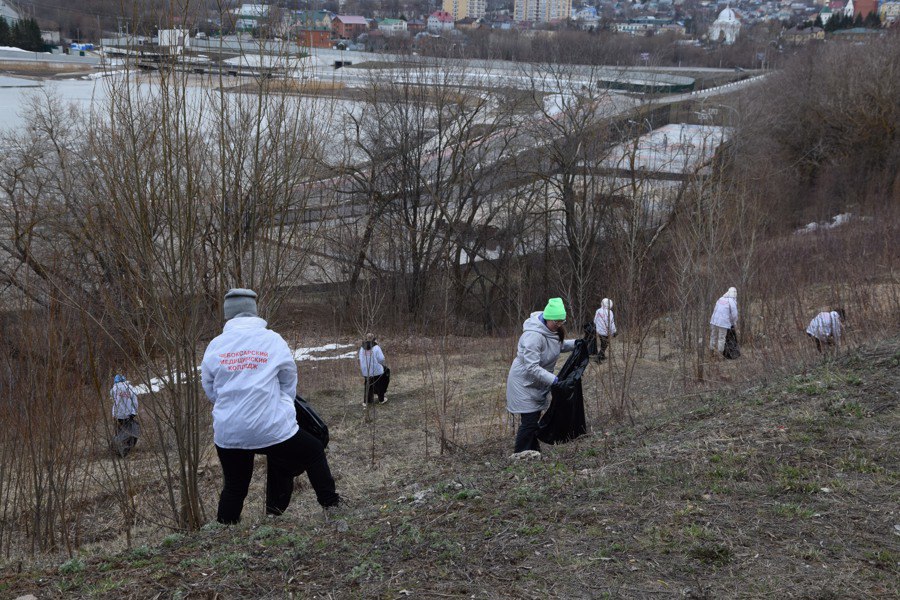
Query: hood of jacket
[[534, 324], [244, 323]]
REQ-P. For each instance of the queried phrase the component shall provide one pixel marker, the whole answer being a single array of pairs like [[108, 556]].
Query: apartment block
[[540, 11], [460, 9]]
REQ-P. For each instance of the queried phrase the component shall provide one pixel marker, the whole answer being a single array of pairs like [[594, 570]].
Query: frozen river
[[15, 91], [327, 114]]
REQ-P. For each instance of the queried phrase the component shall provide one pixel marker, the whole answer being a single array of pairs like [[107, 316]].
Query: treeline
[[24, 34], [841, 21], [752, 49]]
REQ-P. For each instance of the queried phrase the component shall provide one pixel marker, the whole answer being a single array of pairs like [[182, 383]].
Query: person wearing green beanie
[[531, 374]]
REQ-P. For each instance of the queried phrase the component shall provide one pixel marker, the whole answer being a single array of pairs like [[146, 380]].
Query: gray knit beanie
[[239, 301]]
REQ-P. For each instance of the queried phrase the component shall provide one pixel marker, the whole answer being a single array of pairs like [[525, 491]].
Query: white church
[[725, 27]]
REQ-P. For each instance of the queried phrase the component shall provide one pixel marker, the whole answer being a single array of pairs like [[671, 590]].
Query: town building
[[8, 12], [889, 13], [799, 37], [542, 11], [392, 26], [250, 16], [348, 27], [587, 18], [312, 18], [860, 8], [313, 37], [440, 20], [460, 9], [414, 26], [468, 24]]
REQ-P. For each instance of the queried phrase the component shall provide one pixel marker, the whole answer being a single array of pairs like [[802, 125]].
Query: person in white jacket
[[124, 411], [724, 317], [605, 324], [531, 373], [826, 328], [371, 364], [125, 400], [249, 374]]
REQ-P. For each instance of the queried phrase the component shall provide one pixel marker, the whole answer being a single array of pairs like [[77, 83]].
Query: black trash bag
[[310, 421], [382, 382], [564, 420], [732, 349], [127, 433]]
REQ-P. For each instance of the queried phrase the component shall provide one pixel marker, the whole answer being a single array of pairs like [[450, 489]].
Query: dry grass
[[782, 488]]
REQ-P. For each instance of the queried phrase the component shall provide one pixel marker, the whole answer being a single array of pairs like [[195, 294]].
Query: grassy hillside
[[789, 489]]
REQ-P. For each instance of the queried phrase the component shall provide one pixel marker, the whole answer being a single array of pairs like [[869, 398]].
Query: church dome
[[728, 16]]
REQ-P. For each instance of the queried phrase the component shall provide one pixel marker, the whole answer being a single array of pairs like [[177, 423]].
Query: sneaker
[[383, 401], [526, 455]]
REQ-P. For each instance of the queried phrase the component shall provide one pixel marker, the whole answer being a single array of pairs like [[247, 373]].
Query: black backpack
[[310, 421]]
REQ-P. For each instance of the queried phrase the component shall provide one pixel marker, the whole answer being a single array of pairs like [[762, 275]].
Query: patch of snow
[[836, 221], [303, 354], [102, 74], [158, 383], [300, 354], [13, 49]]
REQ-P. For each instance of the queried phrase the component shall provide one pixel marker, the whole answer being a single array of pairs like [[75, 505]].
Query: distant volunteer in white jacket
[[124, 411], [125, 400], [371, 364], [826, 328], [605, 324], [249, 374], [724, 317]]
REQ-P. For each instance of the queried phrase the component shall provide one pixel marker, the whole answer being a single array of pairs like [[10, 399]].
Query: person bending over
[[249, 375]]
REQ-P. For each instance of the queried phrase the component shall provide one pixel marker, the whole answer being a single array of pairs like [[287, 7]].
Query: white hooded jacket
[[371, 362], [726, 312], [605, 321], [825, 324], [531, 373], [125, 401], [249, 374]]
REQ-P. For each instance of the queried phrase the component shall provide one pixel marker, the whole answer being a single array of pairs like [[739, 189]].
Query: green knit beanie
[[555, 311]]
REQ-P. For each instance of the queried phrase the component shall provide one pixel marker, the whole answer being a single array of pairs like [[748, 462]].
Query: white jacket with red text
[[249, 374]]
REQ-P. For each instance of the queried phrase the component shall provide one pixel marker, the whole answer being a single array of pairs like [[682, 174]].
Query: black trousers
[[124, 423], [374, 386], [604, 344], [526, 436], [284, 460]]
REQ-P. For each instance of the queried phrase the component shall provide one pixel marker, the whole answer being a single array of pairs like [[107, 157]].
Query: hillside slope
[[785, 490]]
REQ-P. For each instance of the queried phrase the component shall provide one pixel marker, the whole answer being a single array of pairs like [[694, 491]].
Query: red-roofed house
[[440, 20], [347, 27], [863, 8], [859, 8]]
